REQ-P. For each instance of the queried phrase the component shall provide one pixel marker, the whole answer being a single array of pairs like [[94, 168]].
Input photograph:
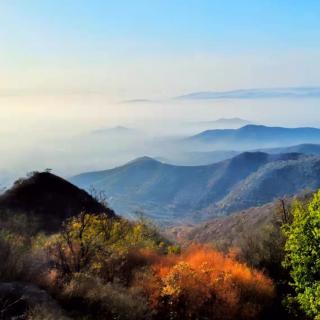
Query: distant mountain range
[[196, 158], [267, 93], [169, 193], [254, 137]]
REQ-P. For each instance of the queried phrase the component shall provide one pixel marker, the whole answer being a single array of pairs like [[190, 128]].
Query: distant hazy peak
[[255, 93], [235, 119], [225, 122], [143, 159], [116, 128]]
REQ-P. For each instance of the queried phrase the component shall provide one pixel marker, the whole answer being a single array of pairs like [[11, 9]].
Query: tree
[[102, 245], [302, 258]]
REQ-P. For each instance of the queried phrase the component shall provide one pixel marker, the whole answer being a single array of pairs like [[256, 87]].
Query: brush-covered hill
[[225, 231], [50, 199], [240, 228], [255, 136], [169, 193]]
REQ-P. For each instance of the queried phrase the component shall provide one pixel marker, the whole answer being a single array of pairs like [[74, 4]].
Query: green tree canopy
[[303, 255]]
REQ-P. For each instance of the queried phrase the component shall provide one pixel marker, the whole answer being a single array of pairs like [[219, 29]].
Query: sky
[[68, 66], [132, 49]]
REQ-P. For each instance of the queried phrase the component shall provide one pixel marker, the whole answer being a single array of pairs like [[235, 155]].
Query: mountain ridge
[[170, 193]]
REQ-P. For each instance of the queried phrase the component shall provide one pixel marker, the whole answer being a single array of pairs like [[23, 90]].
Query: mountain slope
[[49, 198], [170, 193], [273, 180]]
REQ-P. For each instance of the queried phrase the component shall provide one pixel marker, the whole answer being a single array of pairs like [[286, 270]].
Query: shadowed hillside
[[50, 199]]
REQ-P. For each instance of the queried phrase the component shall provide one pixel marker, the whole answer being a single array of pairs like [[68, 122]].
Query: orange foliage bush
[[204, 283]]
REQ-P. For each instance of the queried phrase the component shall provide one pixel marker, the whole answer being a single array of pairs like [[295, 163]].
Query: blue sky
[[131, 48]]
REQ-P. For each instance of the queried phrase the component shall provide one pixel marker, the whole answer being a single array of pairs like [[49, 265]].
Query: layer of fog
[[71, 134]]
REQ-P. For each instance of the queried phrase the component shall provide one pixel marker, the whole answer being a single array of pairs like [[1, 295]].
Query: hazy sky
[[66, 65], [129, 49]]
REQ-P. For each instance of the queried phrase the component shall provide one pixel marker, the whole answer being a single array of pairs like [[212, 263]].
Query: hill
[[170, 194], [50, 199], [255, 136]]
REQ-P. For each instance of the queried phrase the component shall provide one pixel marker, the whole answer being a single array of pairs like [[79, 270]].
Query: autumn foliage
[[203, 283], [98, 267]]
